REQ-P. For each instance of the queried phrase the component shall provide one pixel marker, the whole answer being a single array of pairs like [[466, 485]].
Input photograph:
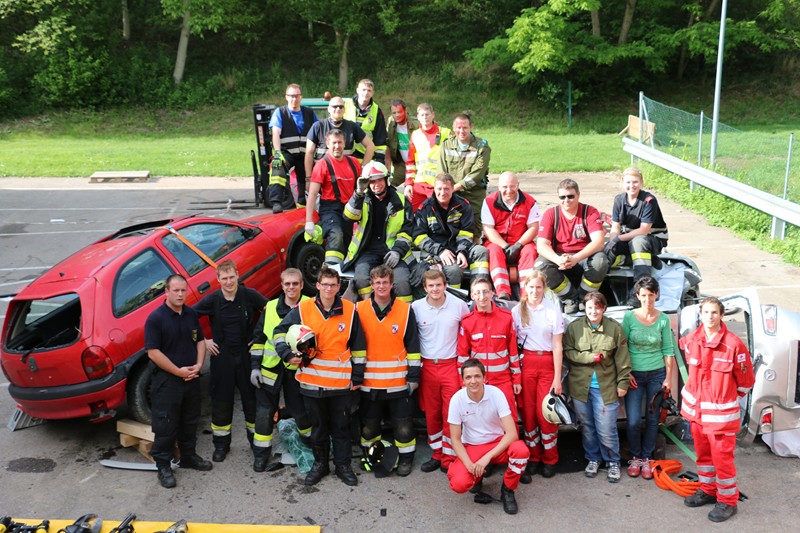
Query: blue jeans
[[649, 383], [598, 427]]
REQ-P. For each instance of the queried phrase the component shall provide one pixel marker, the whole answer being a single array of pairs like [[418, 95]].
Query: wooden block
[[632, 129], [128, 440], [136, 429], [144, 448], [120, 176]]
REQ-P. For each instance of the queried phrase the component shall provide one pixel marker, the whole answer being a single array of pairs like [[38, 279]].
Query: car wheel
[[139, 382], [309, 259]]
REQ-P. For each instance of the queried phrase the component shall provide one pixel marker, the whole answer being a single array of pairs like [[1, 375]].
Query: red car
[[73, 340]]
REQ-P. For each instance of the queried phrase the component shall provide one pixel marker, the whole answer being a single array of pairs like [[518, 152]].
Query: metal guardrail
[[780, 209]]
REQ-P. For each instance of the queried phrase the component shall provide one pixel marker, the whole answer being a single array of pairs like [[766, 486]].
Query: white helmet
[[301, 339], [554, 409], [375, 170]]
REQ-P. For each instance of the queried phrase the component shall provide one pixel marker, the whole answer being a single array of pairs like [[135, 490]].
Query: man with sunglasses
[[353, 133], [290, 125], [269, 373], [570, 246]]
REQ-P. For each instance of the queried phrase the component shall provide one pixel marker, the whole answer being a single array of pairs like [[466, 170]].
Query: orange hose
[[661, 472]]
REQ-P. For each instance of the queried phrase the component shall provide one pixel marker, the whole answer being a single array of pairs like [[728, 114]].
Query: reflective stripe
[[726, 491], [719, 406], [704, 418]]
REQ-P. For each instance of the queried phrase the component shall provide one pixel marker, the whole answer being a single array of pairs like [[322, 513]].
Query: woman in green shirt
[[651, 346]]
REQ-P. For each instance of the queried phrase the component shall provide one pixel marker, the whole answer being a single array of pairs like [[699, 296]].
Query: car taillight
[[770, 314], [96, 362], [765, 424]]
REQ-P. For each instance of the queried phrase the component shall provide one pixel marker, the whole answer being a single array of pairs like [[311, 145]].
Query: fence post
[[699, 150], [779, 226]]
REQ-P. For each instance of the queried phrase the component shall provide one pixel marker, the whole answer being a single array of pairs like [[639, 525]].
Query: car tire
[[309, 258], [139, 382]]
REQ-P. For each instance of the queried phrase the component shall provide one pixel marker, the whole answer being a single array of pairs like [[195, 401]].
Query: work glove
[[608, 249], [391, 259], [512, 252], [255, 378], [277, 154], [309, 229], [598, 357], [362, 185], [412, 387]]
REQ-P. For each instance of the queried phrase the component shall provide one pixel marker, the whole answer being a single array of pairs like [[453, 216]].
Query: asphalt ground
[[52, 470]]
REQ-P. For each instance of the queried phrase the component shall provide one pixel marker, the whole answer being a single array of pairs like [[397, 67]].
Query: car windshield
[[44, 324], [213, 239]]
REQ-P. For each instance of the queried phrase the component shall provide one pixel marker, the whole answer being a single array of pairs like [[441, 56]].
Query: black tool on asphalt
[[19, 527], [4, 523], [88, 523], [125, 526]]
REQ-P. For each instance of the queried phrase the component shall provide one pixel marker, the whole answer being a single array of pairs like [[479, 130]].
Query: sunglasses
[[290, 283], [565, 196], [336, 106]]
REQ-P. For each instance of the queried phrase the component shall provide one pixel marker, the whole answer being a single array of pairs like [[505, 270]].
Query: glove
[[255, 378], [608, 249], [412, 387], [391, 259], [309, 230], [277, 154], [512, 252], [362, 185], [598, 357]]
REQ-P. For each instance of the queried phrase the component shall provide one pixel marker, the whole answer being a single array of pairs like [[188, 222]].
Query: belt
[[439, 361], [536, 352]]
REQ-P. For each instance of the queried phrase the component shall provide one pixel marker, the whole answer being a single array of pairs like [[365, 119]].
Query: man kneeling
[[482, 432]]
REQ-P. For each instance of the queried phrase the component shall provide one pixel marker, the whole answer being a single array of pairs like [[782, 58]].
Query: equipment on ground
[[126, 525], [178, 527], [88, 523], [554, 408], [381, 458]]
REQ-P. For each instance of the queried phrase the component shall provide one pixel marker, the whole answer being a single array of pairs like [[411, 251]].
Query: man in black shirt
[[174, 343], [315, 141], [233, 310]]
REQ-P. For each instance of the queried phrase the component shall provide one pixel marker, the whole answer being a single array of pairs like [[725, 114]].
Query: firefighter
[[511, 223], [233, 311], [392, 368], [364, 111], [399, 130], [422, 165], [720, 373], [289, 125], [327, 379], [638, 229], [487, 334], [316, 145], [271, 375], [334, 182], [443, 231], [383, 231]]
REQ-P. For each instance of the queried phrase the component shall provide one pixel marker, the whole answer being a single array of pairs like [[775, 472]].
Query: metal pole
[[778, 225], [718, 83], [699, 148]]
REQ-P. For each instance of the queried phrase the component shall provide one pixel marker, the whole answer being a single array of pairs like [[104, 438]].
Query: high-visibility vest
[[292, 140], [394, 225], [367, 123], [331, 368], [427, 156], [387, 358], [269, 358]]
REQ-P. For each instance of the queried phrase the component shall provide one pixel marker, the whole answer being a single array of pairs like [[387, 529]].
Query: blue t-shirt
[[276, 121]]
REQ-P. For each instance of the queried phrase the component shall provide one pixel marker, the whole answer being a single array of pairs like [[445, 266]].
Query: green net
[[755, 158]]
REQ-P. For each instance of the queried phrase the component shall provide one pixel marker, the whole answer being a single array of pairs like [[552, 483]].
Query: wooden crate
[[132, 433], [632, 129], [120, 176]]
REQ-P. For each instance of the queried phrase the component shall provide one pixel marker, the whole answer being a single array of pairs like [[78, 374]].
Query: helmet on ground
[[554, 409], [375, 170], [381, 457], [301, 339]]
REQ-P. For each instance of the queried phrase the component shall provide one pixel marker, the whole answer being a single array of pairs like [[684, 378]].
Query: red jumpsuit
[[490, 338], [720, 372]]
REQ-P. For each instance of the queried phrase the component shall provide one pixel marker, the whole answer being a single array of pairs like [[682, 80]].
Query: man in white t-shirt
[[482, 433]]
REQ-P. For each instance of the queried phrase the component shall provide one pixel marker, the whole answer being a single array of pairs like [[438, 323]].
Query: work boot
[[346, 474], [405, 463], [195, 462], [430, 465], [261, 458], [220, 453], [548, 470], [166, 477], [721, 512], [508, 499], [699, 499], [320, 468]]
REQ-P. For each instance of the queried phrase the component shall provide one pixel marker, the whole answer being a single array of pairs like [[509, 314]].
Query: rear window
[[44, 324], [140, 281]]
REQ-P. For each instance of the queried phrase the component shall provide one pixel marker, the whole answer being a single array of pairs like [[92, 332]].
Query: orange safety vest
[[331, 368], [387, 358]]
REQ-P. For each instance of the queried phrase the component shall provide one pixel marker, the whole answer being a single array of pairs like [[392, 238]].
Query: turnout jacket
[[262, 353], [434, 235], [720, 371], [581, 342], [490, 338]]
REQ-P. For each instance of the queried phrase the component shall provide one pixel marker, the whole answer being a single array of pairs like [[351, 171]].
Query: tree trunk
[[343, 41], [183, 46], [627, 21], [310, 31], [126, 22], [596, 22]]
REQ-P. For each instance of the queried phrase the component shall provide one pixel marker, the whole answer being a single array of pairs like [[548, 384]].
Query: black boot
[[261, 458], [346, 474], [320, 468], [165, 476], [220, 453], [405, 463], [508, 499]]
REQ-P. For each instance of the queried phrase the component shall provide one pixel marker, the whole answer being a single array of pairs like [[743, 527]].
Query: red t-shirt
[[572, 236], [345, 179]]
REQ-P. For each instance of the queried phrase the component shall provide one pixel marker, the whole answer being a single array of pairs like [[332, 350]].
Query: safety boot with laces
[[166, 477], [721, 512], [698, 499]]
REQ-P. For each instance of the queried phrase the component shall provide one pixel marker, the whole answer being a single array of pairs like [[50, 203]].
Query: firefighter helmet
[[381, 457], [301, 339], [554, 408], [375, 170]]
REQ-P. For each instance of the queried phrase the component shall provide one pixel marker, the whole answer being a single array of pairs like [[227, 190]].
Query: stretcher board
[[194, 527]]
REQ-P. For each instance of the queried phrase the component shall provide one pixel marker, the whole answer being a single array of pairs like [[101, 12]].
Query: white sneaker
[[613, 472], [591, 469]]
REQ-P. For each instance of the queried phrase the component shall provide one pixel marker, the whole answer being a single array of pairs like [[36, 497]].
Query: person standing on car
[[363, 110], [720, 373], [392, 369], [652, 348], [327, 379], [399, 130], [316, 142], [232, 311], [599, 375], [638, 229], [289, 125], [174, 343], [334, 182], [383, 230], [539, 325], [271, 375]]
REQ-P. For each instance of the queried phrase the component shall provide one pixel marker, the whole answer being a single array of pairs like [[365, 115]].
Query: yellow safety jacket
[[270, 371]]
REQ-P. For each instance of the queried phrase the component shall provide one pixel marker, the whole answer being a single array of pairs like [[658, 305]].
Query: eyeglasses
[[291, 283], [565, 196], [298, 95], [328, 285], [336, 106]]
